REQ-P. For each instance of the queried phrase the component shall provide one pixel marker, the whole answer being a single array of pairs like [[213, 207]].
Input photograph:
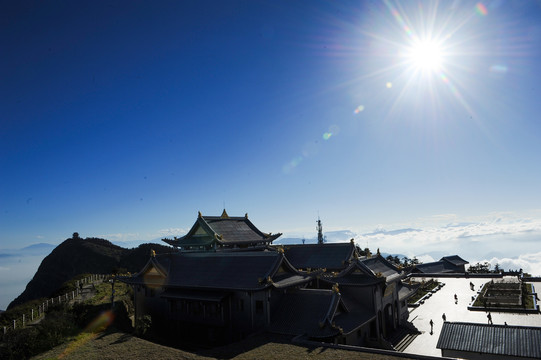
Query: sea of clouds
[[509, 240]]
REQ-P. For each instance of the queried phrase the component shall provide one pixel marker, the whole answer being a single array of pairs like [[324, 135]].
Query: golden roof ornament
[[199, 215], [335, 288], [224, 215], [152, 253], [246, 216]]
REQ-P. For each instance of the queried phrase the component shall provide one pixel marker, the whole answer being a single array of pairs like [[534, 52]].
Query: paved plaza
[[443, 302]]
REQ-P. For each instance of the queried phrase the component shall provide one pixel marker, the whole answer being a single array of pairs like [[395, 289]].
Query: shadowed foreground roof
[[502, 340], [318, 256], [306, 311]]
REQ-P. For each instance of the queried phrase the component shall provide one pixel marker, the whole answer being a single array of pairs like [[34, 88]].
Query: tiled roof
[[220, 271], [354, 319], [447, 264], [379, 265], [306, 311], [237, 230], [224, 230], [522, 341], [334, 256], [242, 270], [436, 267], [356, 274], [455, 260]]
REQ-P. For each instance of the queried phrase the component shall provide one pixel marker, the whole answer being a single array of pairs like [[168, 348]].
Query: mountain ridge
[[76, 256]]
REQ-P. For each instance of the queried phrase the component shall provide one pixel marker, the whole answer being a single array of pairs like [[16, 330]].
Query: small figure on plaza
[[456, 299], [489, 317], [444, 317], [431, 327]]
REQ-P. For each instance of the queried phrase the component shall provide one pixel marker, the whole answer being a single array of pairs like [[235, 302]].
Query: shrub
[[143, 325]]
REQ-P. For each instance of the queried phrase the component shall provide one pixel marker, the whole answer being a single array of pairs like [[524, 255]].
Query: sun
[[426, 55]]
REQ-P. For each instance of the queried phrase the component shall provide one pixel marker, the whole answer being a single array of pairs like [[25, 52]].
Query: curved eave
[[170, 242]]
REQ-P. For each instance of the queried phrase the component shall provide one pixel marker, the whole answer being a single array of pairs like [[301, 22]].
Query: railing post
[[5, 329], [23, 320], [32, 316], [14, 324]]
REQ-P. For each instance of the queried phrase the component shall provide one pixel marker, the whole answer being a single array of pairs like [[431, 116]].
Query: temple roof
[[307, 311], [356, 274], [224, 230], [447, 264], [221, 271], [436, 267], [378, 264], [335, 256], [502, 340], [455, 260]]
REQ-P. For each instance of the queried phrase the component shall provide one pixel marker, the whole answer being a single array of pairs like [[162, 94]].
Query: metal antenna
[[319, 229]]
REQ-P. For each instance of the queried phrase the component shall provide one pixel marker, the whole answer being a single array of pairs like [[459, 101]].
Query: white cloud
[[503, 233], [172, 232], [425, 259], [529, 263]]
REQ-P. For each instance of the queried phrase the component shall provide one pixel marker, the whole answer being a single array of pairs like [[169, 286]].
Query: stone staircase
[[403, 337]]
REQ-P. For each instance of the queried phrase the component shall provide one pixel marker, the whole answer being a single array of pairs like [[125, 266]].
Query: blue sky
[[122, 119]]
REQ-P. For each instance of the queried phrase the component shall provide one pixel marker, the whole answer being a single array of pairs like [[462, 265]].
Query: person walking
[[444, 317], [489, 317], [431, 327]]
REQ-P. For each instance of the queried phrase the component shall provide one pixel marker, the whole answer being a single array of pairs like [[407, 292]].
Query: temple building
[[225, 281], [210, 233], [447, 264]]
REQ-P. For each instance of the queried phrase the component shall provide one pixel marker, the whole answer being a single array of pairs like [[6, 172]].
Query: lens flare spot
[[481, 9], [389, 85], [334, 130], [292, 164], [359, 109], [99, 324], [327, 136], [498, 69]]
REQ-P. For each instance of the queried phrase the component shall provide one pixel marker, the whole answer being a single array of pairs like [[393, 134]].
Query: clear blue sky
[[122, 119]]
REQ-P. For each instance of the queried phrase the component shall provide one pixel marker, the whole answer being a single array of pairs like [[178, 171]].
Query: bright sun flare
[[426, 55]]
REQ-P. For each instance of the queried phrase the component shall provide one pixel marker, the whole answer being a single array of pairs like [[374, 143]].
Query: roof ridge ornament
[[224, 215], [199, 214], [246, 216]]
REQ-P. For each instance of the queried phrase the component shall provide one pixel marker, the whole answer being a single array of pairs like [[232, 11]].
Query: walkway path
[[443, 302]]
